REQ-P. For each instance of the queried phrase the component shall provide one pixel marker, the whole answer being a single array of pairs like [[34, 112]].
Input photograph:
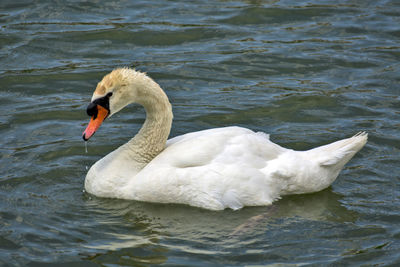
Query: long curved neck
[[153, 135]]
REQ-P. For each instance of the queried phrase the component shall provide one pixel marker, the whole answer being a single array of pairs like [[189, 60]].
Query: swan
[[229, 167]]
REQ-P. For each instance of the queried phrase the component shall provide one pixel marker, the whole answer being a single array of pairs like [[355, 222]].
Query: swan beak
[[95, 122]]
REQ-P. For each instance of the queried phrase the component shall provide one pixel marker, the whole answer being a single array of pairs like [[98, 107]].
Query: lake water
[[306, 72]]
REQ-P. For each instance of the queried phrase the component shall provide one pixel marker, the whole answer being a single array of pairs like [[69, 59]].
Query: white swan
[[212, 169]]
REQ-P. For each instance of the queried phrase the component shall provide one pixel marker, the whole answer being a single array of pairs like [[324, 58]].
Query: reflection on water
[[321, 206], [155, 226], [306, 72]]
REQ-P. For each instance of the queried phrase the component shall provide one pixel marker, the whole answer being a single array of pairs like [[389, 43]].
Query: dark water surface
[[307, 72]]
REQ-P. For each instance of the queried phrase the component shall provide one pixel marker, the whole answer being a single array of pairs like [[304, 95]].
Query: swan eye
[[109, 94]]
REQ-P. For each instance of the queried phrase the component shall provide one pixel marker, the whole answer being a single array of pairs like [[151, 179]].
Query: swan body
[[219, 168]]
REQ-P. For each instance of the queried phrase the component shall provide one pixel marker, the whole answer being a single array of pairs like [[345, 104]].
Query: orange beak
[[95, 122]]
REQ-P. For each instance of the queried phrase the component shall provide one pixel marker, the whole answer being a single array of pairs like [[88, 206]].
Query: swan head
[[118, 89]]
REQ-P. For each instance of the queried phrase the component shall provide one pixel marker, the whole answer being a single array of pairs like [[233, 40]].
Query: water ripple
[[306, 72]]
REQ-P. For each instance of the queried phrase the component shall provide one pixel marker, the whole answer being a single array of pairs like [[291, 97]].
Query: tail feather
[[340, 152]]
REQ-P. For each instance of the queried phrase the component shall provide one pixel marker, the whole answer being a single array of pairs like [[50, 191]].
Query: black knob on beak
[[91, 110]]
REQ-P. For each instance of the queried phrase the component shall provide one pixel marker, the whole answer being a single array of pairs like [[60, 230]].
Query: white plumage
[[220, 168]]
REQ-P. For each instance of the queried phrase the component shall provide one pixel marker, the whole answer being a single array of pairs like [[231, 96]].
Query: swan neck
[[153, 135]]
